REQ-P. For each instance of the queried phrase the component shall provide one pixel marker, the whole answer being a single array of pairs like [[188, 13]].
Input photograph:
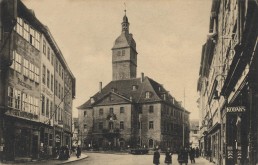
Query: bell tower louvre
[[124, 54]]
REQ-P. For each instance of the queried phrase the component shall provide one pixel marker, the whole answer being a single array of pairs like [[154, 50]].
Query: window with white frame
[[10, 97], [19, 26], [147, 95], [26, 30], [17, 62], [17, 99]]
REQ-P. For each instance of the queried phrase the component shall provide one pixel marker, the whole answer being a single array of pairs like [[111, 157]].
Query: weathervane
[[125, 8]]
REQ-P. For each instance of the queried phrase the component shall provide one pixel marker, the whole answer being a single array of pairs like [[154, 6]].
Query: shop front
[[21, 139]]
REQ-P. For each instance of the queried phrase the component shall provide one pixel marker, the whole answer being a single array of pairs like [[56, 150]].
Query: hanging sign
[[236, 109]]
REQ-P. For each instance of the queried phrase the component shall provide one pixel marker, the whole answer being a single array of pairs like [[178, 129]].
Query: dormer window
[[113, 89], [147, 95], [135, 87], [92, 100]]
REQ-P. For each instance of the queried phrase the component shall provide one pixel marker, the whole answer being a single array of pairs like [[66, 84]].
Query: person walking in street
[[156, 157], [180, 158], [192, 155], [168, 157], [78, 151], [185, 156]]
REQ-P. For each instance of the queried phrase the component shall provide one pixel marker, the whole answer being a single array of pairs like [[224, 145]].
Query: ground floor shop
[[31, 140]]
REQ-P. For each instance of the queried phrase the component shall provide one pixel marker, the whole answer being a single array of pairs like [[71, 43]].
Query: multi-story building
[[132, 111], [37, 86], [228, 83], [194, 133]]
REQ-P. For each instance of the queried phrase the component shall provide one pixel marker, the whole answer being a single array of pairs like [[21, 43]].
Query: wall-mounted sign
[[236, 109]]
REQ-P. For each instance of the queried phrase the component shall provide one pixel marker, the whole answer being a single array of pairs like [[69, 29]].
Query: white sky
[[169, 35]]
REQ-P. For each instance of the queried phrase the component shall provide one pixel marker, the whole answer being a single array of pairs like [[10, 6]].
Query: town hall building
[[131, 111]]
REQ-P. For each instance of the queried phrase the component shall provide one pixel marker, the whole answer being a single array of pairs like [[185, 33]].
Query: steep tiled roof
[[124, 40], [124, 88]]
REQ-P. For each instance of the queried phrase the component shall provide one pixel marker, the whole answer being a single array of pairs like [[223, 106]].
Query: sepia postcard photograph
[[129, 82]]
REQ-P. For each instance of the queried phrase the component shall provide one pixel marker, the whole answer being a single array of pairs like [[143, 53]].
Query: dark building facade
[[130, 111], [36, 86], [228, 84]]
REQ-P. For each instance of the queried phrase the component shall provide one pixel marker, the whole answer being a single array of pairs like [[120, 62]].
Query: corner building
[[131, 111], [228, 84], [36, 86]]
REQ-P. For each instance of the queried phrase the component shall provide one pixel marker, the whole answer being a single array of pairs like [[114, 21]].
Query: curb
[[69, 161]]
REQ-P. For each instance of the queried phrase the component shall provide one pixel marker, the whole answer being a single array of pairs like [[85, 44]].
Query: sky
[[169, 35]]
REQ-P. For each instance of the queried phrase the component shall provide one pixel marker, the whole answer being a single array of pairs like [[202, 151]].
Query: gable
[[111, 99]]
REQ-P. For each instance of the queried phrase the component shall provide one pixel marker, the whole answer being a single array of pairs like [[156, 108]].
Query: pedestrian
[[192, 155], [197, 152], [156, 157], [168, 157], [78, 151], [180, 158], [185, 156]]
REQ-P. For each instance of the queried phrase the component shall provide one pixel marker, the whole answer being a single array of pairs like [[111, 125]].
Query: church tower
[[124, 54]]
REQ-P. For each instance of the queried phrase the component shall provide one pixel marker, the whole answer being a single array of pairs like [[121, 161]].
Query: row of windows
[[46, 107], [59, 69], [22, 101], [49, 53], [111, 125], [48, 79], [28, 33], [121, 125], [58, 113], [25, 67], [111, 111]]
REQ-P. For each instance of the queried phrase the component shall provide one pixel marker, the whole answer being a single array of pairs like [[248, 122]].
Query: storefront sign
[[236, 109]]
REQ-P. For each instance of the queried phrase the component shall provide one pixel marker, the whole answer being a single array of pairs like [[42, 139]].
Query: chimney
[[92, 100], [142, 77], [100, 87], [131, 98]]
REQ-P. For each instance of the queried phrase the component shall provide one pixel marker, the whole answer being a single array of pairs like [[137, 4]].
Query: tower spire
[[125, 23], [125, 8]]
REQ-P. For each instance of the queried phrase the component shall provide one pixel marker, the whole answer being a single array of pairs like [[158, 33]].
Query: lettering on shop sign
[[235, 109], [24, 84]]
